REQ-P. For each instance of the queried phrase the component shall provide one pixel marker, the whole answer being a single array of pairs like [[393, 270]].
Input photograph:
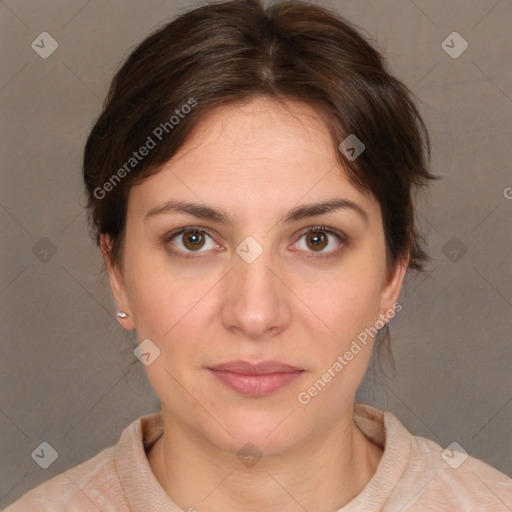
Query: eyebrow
[[294, 215]]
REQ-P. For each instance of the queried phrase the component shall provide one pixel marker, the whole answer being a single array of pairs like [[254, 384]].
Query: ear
[[116, 279], [391, 289]]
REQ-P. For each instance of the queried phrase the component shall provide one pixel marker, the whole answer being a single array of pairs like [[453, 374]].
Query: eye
[[320, 239], [189, 240]]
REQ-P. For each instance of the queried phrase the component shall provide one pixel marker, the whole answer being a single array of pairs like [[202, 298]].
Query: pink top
[[414, 475]]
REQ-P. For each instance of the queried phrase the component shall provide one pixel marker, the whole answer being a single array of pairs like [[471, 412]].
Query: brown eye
[[317, 241], [193, 240], [189, 240], [322, 242]]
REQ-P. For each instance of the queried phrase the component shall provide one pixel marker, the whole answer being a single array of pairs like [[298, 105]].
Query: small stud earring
[[122, 314]]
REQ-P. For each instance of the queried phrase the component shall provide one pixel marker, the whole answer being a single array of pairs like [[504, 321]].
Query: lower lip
[[256, 385]]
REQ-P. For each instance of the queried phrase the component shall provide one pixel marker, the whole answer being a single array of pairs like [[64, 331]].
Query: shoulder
[[89, 486], [450, 479], [110, 481], [416, 474]]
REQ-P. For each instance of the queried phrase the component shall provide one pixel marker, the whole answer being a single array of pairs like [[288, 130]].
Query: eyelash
[[314, 229]]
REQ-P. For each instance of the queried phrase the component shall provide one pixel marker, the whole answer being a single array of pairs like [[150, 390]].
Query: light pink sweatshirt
[[414, 475]]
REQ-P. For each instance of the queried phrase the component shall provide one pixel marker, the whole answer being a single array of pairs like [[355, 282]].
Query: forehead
[[257, 156], [263, 122]]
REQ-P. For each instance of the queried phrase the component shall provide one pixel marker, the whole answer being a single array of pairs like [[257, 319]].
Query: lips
[[256, 379], [262, 368]]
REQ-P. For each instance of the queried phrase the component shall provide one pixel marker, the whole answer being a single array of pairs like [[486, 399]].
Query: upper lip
[[265, 367]]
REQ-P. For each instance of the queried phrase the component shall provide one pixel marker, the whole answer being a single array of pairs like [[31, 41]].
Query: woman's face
[[255, 287]]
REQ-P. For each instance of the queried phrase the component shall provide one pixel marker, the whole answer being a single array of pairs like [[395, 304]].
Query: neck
[[324, 473]]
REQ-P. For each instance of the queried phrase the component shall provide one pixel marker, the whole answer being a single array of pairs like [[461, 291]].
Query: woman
[[250, 185]]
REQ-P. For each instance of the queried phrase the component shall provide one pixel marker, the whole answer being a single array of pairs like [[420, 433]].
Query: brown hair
[[228, 53]]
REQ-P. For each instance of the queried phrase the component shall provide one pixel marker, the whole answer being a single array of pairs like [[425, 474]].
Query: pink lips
[[256, 379]]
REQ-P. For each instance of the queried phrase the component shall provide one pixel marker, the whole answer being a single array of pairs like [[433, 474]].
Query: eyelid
[[312, 229], [178, 231]]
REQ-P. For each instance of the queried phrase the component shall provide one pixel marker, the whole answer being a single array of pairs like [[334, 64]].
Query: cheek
[[353, 306], [161, 298], [167, 310], [346, 303]]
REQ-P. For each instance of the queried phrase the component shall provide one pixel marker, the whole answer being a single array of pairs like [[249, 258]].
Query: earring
[[122, 314]]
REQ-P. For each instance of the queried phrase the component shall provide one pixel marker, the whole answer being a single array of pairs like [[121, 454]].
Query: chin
[[267, 432]]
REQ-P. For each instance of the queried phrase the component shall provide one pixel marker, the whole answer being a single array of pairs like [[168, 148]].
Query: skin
[[256, 162]]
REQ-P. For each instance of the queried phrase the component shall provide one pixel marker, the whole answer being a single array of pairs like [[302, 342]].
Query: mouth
[[256, 379]]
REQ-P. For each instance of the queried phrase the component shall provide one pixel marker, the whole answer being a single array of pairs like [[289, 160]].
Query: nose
[[255, 304]]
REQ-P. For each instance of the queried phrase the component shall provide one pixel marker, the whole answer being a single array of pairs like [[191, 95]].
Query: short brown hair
[[228, 53]]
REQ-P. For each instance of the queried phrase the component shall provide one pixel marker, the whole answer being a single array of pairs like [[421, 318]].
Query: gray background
[[64, 373]]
